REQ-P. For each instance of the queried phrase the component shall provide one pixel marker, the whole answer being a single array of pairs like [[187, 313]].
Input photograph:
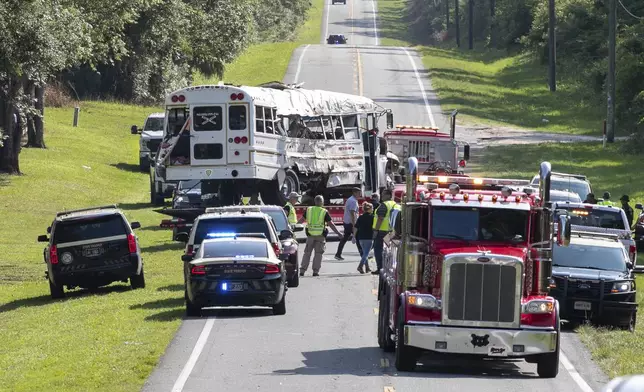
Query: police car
[[601, 219], [92, 247], [336, 39], [232, 269]]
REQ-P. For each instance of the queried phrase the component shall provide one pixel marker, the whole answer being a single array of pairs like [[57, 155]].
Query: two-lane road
[[327, 339]]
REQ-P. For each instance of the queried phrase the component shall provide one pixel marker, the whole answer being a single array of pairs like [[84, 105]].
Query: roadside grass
[[617, 352], [491, 87], [268, 62]]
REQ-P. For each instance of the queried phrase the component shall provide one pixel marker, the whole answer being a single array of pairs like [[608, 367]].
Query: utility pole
[[552, 46], [457, 20], [492, 23], [612, 28], [471, 35]]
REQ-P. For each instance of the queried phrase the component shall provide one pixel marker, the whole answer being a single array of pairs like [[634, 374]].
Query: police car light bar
[[416, 127], [471, 181], [246, 208], [236, 235]]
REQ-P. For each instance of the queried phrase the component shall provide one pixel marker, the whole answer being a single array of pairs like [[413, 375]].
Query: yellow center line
[[389, 389], [374, 291], [359, 73], [375, 310]]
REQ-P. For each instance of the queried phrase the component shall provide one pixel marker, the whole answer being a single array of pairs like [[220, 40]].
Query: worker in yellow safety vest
[[606, 201], [382, 225], [289, 208], [317, 218]]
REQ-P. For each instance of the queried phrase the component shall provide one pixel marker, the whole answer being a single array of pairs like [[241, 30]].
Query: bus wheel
[[273, 193]]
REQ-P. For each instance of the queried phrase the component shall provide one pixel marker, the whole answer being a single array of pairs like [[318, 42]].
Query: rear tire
[[277, 194], [56, 291], [630, 327], [406, 356], [294, 281], [138, 281], [280, 308]]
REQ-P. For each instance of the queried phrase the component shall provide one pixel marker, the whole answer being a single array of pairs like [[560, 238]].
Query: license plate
[[496, 351], [93, 252], [232, 286], [580, 305]]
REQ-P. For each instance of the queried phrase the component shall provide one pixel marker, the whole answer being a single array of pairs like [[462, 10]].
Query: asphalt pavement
[[327, 339]]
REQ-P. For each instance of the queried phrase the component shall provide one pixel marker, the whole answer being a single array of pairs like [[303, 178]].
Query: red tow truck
[[467, 271]]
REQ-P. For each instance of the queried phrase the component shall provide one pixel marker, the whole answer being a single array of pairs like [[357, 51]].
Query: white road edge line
[[326, 22], [420, 85], [375, 24], [299, 64], [192, 360], [583, 385]]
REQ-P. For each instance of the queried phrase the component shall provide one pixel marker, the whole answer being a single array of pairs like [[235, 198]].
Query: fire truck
[[467, 270]]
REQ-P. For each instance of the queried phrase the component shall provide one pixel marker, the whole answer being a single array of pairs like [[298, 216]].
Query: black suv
[[336, 39], [592, 280], [90, 248]]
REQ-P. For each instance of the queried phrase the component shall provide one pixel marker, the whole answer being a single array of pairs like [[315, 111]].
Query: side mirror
[[182, 237], [390, 120], [49, 228], [187, 258], [629, 265], [297, 228], [43, 238], [285, 234], [564, 231], [134, 130], [639, 206], [466, 152], [135, 225]]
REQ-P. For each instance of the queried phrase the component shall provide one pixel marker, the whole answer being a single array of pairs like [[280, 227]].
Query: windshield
[[235, 248], [279, 218], [190, 184], [478, 224], [595, 217], [589, 256], [230, 225], [571, 197], [154, 124], [581, 188], [89, 229]]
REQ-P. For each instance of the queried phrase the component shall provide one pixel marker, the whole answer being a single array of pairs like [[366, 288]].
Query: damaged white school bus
[[271, 140]]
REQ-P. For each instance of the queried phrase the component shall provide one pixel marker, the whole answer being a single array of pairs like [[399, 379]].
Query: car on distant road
[[576, 183], [592, 280], [232, 269], [151, 136], [336, 39], [286, 233], [92, 247], [339, 2]]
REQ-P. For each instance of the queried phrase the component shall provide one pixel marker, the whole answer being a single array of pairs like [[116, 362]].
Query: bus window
[[328, 129], [207, 118], [314, 128], [337, 128], [237, 117], [350, 125], [209, 151], [269, 121], [176, 120], [259, 119]]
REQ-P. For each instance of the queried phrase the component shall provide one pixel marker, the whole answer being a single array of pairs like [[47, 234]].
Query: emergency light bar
[[245, 208], [236, 235], [591, 234], [416, 127], [490, 182]]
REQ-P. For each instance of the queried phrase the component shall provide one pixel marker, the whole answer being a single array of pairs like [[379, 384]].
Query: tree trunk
[[12, 126], [39, 119], [30, 92]]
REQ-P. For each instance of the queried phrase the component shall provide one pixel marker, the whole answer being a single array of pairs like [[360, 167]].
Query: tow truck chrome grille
[[482, 293]]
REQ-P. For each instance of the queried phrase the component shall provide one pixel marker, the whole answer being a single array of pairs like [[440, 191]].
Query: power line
[[629, 12]]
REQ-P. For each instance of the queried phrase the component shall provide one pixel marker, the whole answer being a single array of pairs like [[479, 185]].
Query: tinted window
[[207, 118], [596, 218], [588, 256], [237, 117], [571, 197], [230, 225], [88, 229], [208, 151], [236, 248], [279, 218], [154, 124], [478, 224]]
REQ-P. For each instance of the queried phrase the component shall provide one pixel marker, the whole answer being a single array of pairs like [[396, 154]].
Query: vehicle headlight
[[621, 287], [424, 301], [144, 143], [180, 199], [539, 307]]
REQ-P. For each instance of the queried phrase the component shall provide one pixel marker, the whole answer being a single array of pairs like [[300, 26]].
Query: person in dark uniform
[[590, 199], [630, 214]]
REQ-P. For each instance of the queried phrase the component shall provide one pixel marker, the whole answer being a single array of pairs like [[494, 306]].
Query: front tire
[[192, 310], [280, 308], [144, 164], [56, 291], [548, 364], [406, 356], [138, 281]]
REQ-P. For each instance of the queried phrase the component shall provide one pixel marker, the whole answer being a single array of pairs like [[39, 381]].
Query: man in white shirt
[[351, 209]]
